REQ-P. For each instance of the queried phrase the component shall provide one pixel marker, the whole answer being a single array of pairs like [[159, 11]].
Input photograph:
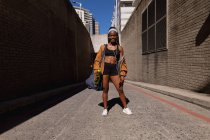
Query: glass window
[[144, 42], [161, 34], [151, 39], [151, 13], [154, 31], [127, 4], [144, 20], [160, 9]]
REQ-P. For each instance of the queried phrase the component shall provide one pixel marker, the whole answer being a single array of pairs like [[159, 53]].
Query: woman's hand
[[122, 78]]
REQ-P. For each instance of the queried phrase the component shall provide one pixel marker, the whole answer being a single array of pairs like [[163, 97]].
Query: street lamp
[[80, 4]]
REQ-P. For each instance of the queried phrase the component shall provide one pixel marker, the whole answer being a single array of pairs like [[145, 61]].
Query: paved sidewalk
[[200, 99], [79, 117]]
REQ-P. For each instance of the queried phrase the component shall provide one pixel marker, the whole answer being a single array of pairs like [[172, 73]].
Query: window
[[154, 27], [127, 4]]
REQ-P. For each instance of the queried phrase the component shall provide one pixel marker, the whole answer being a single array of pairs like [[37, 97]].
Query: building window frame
[[158, 42]]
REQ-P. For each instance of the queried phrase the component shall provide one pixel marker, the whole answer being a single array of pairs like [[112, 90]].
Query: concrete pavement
[[201, 99], [79, 117], [10, 105]]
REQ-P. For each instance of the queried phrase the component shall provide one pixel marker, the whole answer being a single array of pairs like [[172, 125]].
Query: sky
[[102, 11]]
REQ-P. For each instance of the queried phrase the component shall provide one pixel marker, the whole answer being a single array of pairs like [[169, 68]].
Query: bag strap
[[118, 49], [103, 54]]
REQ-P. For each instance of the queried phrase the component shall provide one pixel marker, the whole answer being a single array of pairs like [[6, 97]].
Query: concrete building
[[166, 42], [97, 28], [126, 9], [81, 13], [116, 15], [87, 19], [39, 57], [90, 21], [136, 3], [122, 12]]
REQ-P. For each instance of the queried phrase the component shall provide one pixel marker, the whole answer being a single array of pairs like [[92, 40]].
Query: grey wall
[[186, 63], [99, 40]]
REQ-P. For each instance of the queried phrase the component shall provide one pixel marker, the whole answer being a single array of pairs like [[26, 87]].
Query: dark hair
[[112, 28], [116, 32]]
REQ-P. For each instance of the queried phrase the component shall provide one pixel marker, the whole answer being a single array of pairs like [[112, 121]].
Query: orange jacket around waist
[[99, 61]]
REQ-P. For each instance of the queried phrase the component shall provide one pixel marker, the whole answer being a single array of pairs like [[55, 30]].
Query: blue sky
[[102, 11]]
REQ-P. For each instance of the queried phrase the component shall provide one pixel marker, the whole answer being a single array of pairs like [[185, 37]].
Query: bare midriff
[[110, 59]]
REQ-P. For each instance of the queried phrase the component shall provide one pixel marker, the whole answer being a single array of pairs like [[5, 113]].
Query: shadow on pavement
[[18, 116], [113, 102]]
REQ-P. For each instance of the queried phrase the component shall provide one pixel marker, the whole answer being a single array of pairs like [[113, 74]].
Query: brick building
[[167, 42], [41, 47]]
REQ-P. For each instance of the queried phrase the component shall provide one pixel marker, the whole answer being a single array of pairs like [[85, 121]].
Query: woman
[[110, 60]]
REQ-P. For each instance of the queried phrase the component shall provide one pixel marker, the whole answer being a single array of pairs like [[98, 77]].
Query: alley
[[155, 116]]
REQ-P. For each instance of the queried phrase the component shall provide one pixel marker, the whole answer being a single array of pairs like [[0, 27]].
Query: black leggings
[[110, 69]]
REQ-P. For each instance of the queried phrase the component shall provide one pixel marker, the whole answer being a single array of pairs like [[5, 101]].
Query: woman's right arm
[[97, 61]]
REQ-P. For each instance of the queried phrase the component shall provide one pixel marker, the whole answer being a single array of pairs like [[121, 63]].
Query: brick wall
[[185, 64], [43, 45]]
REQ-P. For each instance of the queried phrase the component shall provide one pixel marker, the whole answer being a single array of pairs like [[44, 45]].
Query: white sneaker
[[127, 111], [105, 112]]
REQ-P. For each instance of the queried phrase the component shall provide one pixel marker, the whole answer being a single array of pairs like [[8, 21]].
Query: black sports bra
[[115, 53]]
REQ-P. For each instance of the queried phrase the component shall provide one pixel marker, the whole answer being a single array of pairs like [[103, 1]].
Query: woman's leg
[[116, 82], [105, 90]]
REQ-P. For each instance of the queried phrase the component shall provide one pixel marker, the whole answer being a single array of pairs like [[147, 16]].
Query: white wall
[[98, 40]]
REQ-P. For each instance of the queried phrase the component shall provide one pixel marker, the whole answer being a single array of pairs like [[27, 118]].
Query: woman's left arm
[[123, 67]]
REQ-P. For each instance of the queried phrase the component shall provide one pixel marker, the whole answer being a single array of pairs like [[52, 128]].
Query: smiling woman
[[110, 60]]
